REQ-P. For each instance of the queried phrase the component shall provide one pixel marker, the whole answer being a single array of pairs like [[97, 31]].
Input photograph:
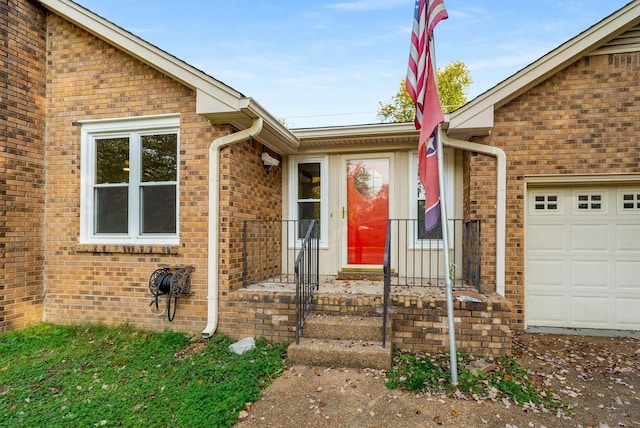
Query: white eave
[[387, 135], [476, 117], [216, 101]]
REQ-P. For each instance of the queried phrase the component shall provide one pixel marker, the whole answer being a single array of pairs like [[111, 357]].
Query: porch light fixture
[[269, 161]]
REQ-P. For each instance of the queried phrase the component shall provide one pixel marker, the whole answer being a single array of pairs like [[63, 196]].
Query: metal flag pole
[[453, 357], [448, 267]]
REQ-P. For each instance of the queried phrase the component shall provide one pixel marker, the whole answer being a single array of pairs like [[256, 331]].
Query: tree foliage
[[453, 87]]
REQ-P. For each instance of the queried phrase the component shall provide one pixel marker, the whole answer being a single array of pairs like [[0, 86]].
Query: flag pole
[[421, 83], [448, 267], [444, 221]]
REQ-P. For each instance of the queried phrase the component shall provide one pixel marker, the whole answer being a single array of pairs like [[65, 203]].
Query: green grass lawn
[[104, 376]]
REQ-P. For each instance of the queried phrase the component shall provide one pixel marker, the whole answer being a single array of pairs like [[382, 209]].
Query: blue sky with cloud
[[330, 62]]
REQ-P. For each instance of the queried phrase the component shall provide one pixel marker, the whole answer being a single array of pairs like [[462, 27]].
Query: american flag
[[423, 91]]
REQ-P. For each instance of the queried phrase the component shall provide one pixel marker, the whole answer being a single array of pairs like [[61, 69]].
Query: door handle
[[342, 212]]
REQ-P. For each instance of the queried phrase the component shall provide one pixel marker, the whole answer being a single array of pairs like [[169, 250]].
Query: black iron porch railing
[[420, 262], [411, 261], [270, 249], [283, 252], [287, 252], [306, 275]]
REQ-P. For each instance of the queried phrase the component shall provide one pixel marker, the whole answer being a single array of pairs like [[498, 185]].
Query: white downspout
[[501, 200], [214, 184]]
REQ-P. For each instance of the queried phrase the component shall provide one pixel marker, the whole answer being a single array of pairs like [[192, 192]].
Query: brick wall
[[249, 192], [89, 79], [583, 120], [22, 125], [417, 323]]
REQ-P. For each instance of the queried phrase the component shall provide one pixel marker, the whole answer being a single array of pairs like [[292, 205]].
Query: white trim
[[344, 244], [118, 127], [368, 131], [324, 197], [561, 180]]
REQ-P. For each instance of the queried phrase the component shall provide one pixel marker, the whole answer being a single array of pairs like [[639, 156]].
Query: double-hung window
[[129, 181], [309, 196], [417, 200]]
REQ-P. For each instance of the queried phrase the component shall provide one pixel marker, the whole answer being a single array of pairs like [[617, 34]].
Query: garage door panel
[[590, 237], [628, 276], [627, 313], [549, 310], [590, 311], [545, 238], [628, 238], [546, 273], [591, 273]]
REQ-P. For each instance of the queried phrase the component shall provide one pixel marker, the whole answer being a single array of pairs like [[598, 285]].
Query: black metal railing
[[386, 268], [270, 248], [411, 261], [420, 262], [307, 276], [284, 252], [472, 253]]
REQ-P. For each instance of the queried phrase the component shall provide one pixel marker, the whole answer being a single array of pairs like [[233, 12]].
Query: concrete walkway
[[355, 398]]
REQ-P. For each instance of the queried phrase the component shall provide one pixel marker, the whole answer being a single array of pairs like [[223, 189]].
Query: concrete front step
[[344, 327], [340, 353]]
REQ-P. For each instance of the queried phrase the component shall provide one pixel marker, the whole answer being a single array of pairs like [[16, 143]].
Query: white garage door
[[582, 266]]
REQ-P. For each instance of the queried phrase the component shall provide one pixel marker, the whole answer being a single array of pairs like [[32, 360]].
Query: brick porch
[[418, 315]]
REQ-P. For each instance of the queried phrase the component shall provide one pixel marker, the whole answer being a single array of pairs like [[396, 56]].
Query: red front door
[[367, 210]]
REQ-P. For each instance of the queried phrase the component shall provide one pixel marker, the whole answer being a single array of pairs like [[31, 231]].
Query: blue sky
[[330, 62]]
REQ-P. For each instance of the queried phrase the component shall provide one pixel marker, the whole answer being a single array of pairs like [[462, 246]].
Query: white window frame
[[590, 203], [449, 177], [634, 202], [294, 242], [123, 127]]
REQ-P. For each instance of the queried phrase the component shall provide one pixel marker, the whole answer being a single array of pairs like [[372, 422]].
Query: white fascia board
[[227, 99], [211, 104], [284, 135], [373, 130], [479, 119], [549, 64]]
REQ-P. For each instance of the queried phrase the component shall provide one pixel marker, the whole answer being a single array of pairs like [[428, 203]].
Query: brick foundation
[[418, 323]]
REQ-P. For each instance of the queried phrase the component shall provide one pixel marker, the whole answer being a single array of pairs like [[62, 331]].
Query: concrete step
[[373, 275], [344, 327], [340, 353]]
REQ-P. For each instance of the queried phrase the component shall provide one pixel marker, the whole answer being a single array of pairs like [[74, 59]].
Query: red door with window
[[367, 210]]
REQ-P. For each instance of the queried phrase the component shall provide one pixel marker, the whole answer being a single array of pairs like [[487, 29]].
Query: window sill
[[127, 249]]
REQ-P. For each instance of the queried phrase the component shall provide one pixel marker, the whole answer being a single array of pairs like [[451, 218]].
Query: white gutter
[[214, 184], [501, 200]]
